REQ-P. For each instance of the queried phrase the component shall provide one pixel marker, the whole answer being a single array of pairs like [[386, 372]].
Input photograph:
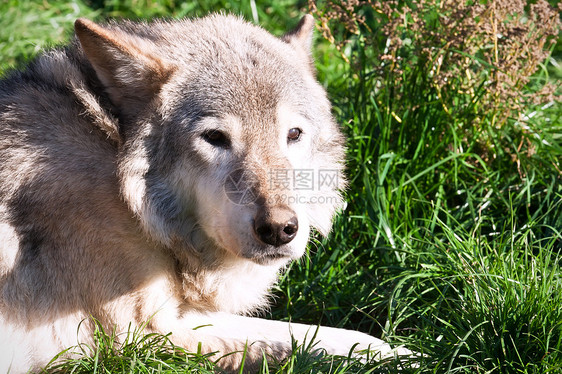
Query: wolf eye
[[216, 138], [294, 134]]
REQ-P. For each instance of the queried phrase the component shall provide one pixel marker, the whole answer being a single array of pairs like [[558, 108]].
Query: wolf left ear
[[131, 75], [301, 38]]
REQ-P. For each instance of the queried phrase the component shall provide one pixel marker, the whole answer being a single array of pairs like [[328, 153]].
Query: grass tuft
[[131, 352]]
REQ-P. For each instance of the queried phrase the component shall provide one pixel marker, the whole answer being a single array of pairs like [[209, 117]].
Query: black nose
[[276, 226]]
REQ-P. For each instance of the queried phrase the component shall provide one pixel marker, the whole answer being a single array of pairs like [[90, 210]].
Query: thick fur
[[112, 191]]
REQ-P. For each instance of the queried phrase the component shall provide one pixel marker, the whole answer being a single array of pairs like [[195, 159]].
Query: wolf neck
[[214, 280]]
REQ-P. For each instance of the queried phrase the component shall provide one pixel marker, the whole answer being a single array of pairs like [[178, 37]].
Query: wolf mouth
[[269, 255]]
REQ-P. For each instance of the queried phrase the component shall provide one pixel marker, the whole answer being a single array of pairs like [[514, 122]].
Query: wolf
[[162, 174]]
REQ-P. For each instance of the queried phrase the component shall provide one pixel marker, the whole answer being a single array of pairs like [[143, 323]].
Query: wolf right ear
[[301, 36], [131, 76], [301, 39]]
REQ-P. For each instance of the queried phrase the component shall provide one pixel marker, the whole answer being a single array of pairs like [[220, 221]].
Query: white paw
[[340, 342]]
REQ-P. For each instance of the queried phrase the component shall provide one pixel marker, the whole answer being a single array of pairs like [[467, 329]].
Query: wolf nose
[[276, 228]]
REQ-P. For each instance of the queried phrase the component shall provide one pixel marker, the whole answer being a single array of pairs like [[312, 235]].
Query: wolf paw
[[357, 344]]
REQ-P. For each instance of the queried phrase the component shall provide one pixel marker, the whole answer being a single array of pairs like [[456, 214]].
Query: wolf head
[[226, 140]]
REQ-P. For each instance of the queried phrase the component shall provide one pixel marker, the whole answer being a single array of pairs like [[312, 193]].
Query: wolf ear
[[131, 76], [301, 38]]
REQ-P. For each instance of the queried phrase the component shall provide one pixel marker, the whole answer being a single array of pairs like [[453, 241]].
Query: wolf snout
[[276, 226]]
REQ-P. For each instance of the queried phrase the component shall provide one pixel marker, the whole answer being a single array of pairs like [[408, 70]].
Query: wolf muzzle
[[276, 226]]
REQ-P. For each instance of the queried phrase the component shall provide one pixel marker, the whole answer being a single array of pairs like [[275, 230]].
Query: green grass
[[132, 352], [452, 236], [29, 26]]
